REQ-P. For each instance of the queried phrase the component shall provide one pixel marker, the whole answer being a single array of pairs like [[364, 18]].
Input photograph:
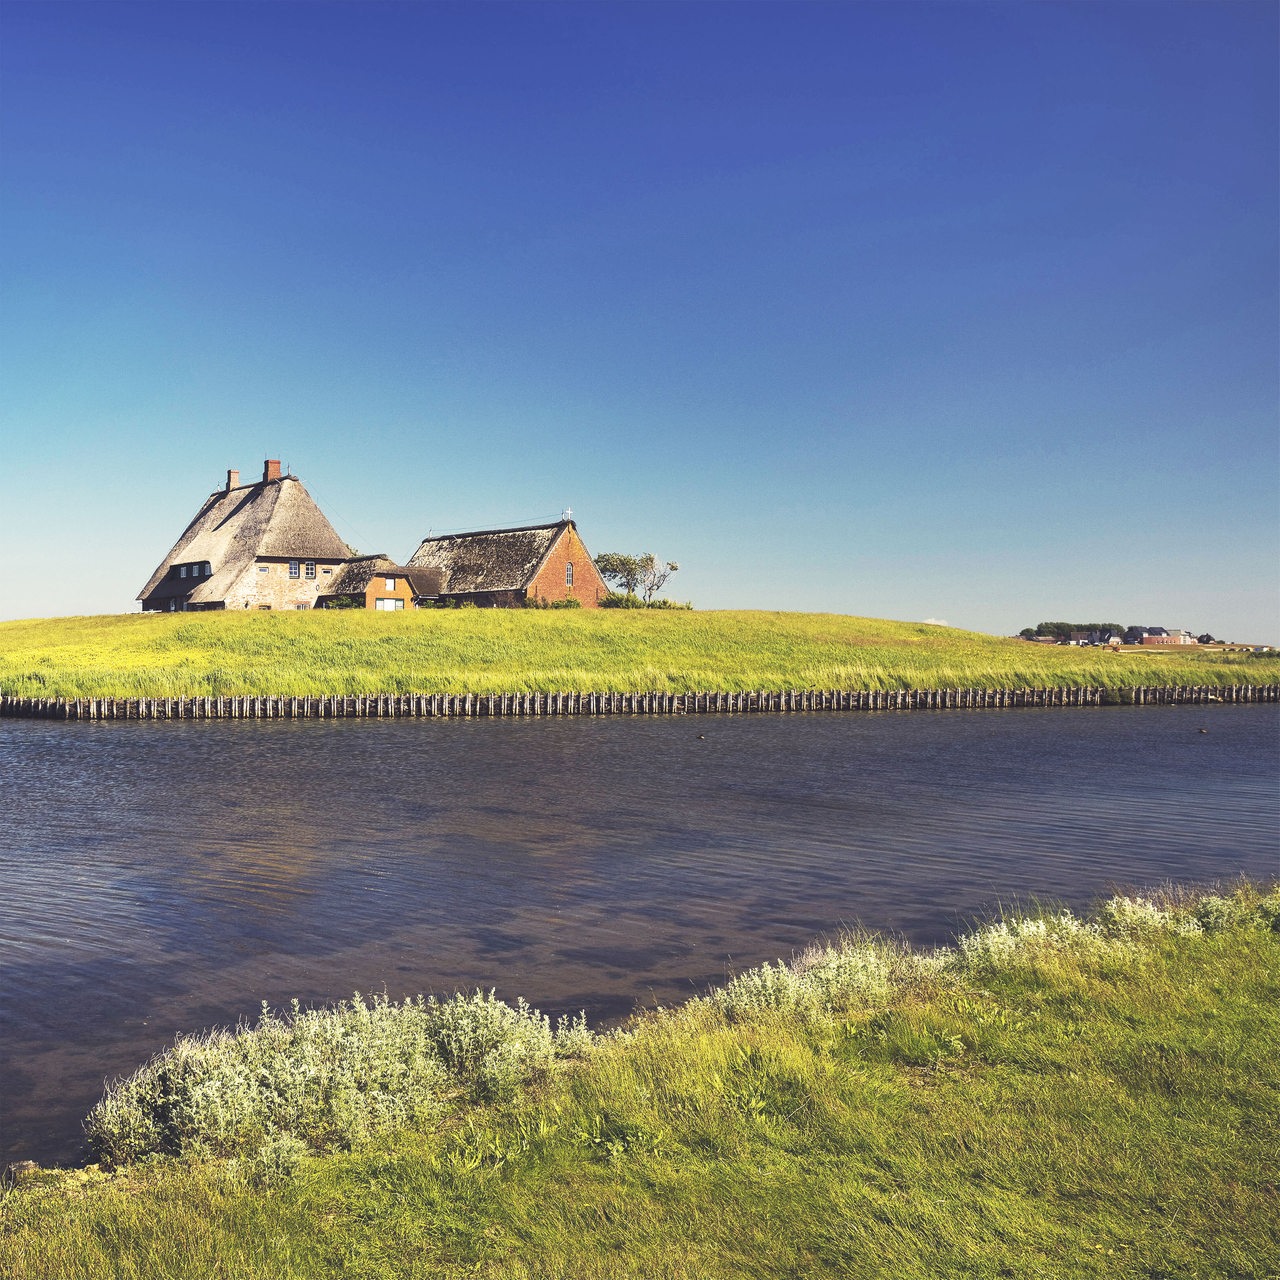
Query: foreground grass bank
[[1051, 1097], [477, 651]]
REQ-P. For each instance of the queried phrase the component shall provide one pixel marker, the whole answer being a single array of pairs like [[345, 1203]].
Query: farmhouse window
[[262, 568], [387, 606], [568, 574], [326, 572], [391, 584], [295, 568], [311, 568], [182, 571]]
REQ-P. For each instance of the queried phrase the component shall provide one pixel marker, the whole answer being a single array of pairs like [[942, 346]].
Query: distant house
[[375, 582], [1096, 636], [1177, 636], [264, 545], [1138, 635], [506, 568]]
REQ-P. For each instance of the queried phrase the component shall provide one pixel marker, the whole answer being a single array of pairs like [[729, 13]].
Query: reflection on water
[[165, 877]]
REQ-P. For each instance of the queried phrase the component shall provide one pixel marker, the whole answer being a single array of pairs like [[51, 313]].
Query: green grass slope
[[1051, 1098], [507, 651]]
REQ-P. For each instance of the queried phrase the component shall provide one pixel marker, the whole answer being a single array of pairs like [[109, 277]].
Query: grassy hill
[[505, 651], [1051, 1097]]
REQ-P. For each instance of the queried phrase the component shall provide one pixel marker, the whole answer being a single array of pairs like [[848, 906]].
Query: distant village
[[267, 545], [1113, 636]]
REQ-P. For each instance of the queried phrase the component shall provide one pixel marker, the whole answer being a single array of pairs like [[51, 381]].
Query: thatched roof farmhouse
[[253, 546], [267, 545], [509, 567]]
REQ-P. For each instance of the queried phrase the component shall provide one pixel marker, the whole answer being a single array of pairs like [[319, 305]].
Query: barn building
[[507, 568], [264, 545]]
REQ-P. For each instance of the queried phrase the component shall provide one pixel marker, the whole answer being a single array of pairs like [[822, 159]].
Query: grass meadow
[[349, 652], [1051, 1097]]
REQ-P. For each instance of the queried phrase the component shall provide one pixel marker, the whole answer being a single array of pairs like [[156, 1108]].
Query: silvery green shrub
[[329, 1078], [325, 1078], [489, 1045], [1024, 939], [1136, 917], [1269, 910], [818, 981], [1215, 913], [573, 1037], [1242, 909]]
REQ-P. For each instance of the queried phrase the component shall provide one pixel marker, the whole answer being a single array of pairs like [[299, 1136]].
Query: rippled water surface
[[164, 877]]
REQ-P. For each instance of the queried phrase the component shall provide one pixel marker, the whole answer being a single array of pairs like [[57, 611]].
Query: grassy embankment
[[501, 651], [1049, 1098]]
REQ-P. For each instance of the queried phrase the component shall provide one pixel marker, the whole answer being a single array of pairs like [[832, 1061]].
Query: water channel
[[164, 877]]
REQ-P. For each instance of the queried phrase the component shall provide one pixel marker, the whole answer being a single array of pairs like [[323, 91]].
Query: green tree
[[654, 575], [644, 575], [621, 570], [1063, 630]]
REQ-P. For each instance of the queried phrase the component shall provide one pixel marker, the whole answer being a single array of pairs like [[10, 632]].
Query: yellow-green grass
[[327, 653], [1050, 1099]]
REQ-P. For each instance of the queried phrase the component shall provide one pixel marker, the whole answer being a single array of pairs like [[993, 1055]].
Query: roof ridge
[[482, 533]]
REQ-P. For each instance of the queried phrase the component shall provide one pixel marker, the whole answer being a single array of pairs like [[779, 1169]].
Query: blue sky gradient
[[959, 311]]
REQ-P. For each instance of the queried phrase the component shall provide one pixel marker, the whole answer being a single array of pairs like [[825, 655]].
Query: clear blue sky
[[952, 311]]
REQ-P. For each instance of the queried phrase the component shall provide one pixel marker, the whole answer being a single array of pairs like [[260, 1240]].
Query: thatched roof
[[274, 518], [490, 560], [354, 577]]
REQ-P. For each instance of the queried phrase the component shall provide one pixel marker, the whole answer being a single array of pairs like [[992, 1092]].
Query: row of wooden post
[[425, 705]]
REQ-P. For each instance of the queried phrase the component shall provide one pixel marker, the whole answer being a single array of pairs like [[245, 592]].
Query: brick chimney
[[271, 470], [233, 480]]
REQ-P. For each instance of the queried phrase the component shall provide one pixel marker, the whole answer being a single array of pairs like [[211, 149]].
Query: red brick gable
[[549, 582]]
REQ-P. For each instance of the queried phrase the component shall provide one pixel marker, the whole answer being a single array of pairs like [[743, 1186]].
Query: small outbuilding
[[508, 568], [376, 582]]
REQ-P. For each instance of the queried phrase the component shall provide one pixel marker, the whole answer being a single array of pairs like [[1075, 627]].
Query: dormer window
[[182, 571]]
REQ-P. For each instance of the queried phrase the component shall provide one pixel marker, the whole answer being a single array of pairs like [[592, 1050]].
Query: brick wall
[[588, 586], [377, 590]]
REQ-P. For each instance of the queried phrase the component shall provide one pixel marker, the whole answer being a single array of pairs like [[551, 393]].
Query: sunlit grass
[[477, 651], [1051, 1097]]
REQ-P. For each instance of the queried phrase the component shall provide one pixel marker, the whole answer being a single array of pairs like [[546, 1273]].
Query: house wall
[[274, 589], [377, 590], [1173, 639], [588, 586]]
